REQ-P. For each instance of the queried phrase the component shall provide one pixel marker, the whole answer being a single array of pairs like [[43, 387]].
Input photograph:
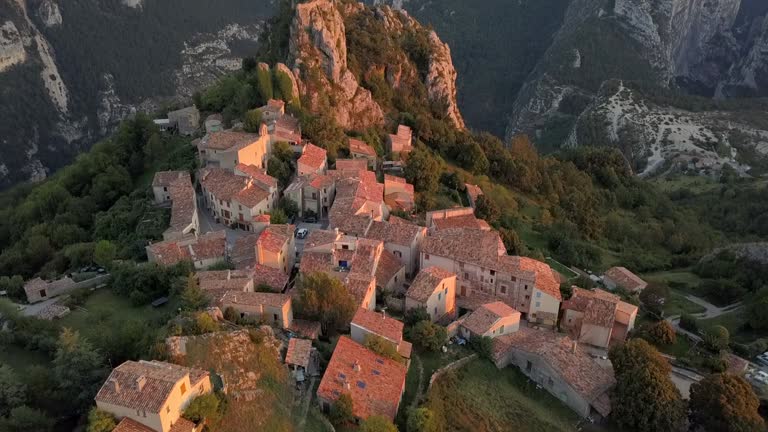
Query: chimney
[[336, 230], [140, 381], [573, 346], [383, 314], [356, 366], [114, 385], [346, 385]]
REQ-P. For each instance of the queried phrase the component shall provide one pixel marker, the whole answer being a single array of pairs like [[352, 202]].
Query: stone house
[[312, 194], [402, 238], [597, 317], [273, 308], [367, 323], [490, 320], [400, 142], [560, 366], [276, 248], [460, 217], [390, 274], [162, 181], [374, 383], [398, 194], [620, 277], [38, 289], [176, 187], [152, 394], [486, 273], [361, 150], [313, 160], [203, 251], [435, 290], [473, 193], [239, 198], [227, 149], [186, 120]]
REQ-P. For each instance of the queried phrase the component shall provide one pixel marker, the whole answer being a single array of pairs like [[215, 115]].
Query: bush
[[203, 407], [100, 421], [483, 345], [428, 336], [662, 333], [688, 322], [341, 411]]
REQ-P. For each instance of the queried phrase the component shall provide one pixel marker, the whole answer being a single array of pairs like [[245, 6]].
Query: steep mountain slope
[[652, 42], [70, 71]]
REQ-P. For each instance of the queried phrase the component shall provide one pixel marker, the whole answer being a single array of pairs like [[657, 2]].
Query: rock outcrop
[[441, 80], [11, 46], [49, 13], [318, 44]]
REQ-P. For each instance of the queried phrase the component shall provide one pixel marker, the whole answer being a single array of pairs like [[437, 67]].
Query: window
[[538, 294], [503, 289], [501, 329], [439, 296], [493, 273], [183, 388], [239, 207], [482, 279], [168, 409], [466, 275], [426, 256], [528, 366], [527, 297], [165, 189], [314, 195], [435, 311], [526, 287], [275, 317], [538, 304], [345, 247]]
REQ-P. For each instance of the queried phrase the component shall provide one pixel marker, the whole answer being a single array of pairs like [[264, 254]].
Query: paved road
[[711, 311], [209, 224]]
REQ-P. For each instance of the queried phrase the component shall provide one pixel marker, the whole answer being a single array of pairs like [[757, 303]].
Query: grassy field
[[561, 268], [104, 309], [481, 398], [680, 279], [678, 349], [677, 304], [734, 322]]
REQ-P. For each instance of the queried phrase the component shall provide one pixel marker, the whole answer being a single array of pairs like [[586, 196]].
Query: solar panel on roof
[[341, 375], [361, 384], [379, 361], [376, 372]]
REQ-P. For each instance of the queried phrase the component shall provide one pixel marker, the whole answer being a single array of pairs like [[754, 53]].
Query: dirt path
[[711, 311], [420, 388], [305, 401]]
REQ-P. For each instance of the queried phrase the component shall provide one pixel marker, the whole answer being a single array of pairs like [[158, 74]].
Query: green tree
[[193, 297], [428, 336], [283, 151], [341, 411], [289, 207], [717, 338], [644, 398], [264, 84], [688, 322], [325, 299], [421, 420], [14, 286], [472, 158], [756, 307], [26, 419], [483, 345], [204, 323], [278, 217], [422, 170], [279, 170], [12, 390], [203, 407], [377, 423], [512, 242], [100, 421], [725, 403], [653, 297], [104, 253], [252, 121], [486, 209], [78, 368], [415, 315], [662, 333], [382, 347]]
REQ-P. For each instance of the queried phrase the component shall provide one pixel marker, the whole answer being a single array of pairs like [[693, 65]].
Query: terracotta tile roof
[[483, 319], [183, 203], [599, 307], [258, 174], [394, 220], [165, 178], [223, 280], [312, 262], [128, 424], [427, 282], [359, 286], [399, 233], [600, 312], [298, 352], [313, 156], [389, 266], [379, 324], [207, 246], [625, 278], [182, 425], [402, 139], [360, 147], [272, 277], [401, 201], [306, 329], [467, 221], [374, 383], [351, 164], [145, 385], [575, 367], [275, 104], [225, 185], [274, 237], [319, 181], [255, 299], [473, 191], [244, 250], [319, 238], [546, 279], [225, 140], [466, 245], [356, 225]]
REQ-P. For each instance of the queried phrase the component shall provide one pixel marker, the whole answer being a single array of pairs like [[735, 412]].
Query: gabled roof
[[546, 279], [128, 424], [225, 140], [599, 307], [274, 237], [272, 277], [145, 385], [625, 278], [360, 147], [389, 266], [379, 324], [374, 383], [473, 191], [225, 185], [207, 246], [401, 233], [258, 174], [165, 178], [351, 164], [298, 352], [571, 362], [486, 316], [313, 156], [255, 299], [427, 282], [466, 245]]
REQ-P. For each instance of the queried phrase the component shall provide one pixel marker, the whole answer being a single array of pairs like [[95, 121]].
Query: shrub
[[688, 322], [662, 333], [341, 411], [203, 407]]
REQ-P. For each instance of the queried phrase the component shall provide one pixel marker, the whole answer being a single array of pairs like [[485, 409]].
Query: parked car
[[310, 219], [302, 233]]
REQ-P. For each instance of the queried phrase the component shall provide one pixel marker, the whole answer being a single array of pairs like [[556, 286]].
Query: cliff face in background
[[319, 56], [71, 71], [709, 48]]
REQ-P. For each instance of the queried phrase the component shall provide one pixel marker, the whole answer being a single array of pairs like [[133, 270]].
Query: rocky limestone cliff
[[11, 46], [318, 43], [441, 80], [659, 42], [49, 13]]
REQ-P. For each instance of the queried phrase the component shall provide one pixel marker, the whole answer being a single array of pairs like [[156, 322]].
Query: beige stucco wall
[[443, 300], [266, 313], [543, 303], [254, 154], [595, 335], [504, 326], [161, 194]]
